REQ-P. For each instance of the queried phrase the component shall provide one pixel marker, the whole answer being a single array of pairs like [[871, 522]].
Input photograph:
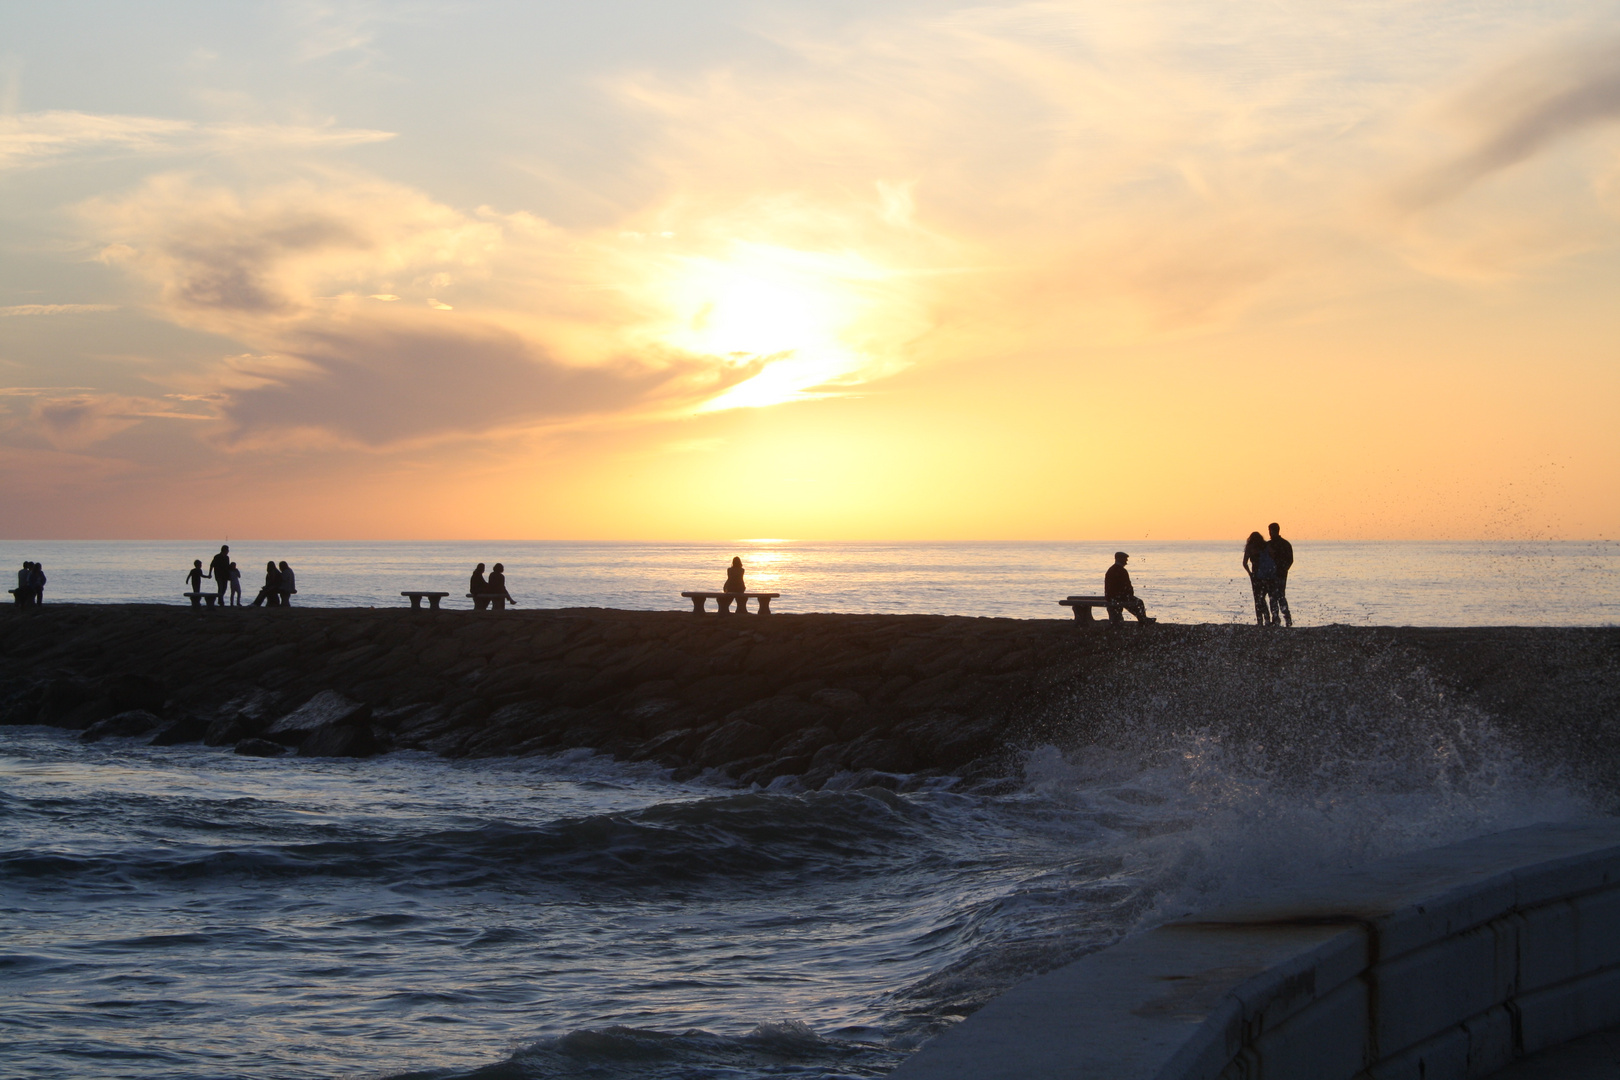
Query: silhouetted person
[[1121, 594], [734, 584], [1282, 555], [36, 579], [479, 588], [219, 568], [495, 589], [287, 585], [194, 580], [270, 595], [1262, 571], [25, 586], [236, 586]]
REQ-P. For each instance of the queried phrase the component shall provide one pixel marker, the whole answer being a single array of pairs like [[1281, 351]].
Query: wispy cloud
[[1519, 111], [53, 309], [43, 137]]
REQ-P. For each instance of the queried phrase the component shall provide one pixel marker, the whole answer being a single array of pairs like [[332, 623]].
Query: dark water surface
[[188, 913]]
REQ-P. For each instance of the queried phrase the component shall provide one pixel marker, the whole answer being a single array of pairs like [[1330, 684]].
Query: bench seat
[[211, 597], [722, 601], [1083, 605], [416, 596]]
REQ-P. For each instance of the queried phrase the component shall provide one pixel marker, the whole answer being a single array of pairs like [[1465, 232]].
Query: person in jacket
[[1282, 555], [478, 588], [495, 588], [287, 585], [1121, 594], [219, 568], [270, 595]]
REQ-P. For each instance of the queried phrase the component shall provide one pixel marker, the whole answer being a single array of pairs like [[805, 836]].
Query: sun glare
[[786, 310]]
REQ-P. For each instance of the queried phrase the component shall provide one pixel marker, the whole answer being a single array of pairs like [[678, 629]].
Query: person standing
[[219, 568], [25, 584], [1282, 555], [495, 590], [478, 588], [194, 580], [1121, 594], [236, 586], [36, 579], [288, 584], [1262, 577]]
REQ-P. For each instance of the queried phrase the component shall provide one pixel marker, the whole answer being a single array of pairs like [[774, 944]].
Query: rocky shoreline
[[799, 699]]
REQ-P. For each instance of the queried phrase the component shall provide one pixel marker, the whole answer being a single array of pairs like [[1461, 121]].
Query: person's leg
[[1260, 613], [1116, 613], [1279, 599], [1135, 606]]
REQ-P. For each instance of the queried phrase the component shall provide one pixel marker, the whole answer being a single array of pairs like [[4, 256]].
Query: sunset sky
[[894, 269]]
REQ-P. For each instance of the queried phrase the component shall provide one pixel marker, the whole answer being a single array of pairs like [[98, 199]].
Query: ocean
[[1472, 583], [185, 913]]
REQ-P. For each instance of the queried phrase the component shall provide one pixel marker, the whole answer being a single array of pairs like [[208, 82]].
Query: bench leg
[[208, 599], [724, 604], [195, 602], [742, 605], [1083, 613], [764, 605], [433, 603], [697, 605], [416, 602]]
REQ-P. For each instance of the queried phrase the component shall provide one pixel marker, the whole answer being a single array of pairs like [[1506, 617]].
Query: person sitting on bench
[[1121, 594]]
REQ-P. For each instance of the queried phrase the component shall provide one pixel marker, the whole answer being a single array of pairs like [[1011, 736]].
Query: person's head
[[283, 566], [736, 560], [1276, 530], [224, 549], [233, 566], [479, 569], [197, 563], [1120, 558], [271, 565], [1254, 542], [499, 569]]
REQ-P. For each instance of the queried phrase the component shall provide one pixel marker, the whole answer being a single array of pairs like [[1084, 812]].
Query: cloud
[[1520, 111], [38, 138], [415, 378], [79, 420], [52, 309]]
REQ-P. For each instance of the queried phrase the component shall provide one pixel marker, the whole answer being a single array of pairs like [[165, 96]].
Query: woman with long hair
[[270, 595], [1262, 571]]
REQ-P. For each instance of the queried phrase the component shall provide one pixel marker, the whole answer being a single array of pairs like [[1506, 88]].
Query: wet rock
[[326, 708], [838, 698], [134, 691], [122, 725], [224, 731], [187, 729], [805, 742], [731, 742], [339, 740], [780, 715], [663, 747], [884, 755], [260, 748]]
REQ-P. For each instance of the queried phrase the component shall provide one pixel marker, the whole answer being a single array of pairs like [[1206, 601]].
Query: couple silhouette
[[1267, 563]]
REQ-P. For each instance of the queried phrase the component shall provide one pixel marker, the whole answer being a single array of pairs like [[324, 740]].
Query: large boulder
[[340, 740], [187, 729], [225, 731], [123, 725], [326, 708], [731, 742], [260, 748]]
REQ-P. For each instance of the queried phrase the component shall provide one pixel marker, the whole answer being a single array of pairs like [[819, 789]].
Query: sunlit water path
[[1435, 584]]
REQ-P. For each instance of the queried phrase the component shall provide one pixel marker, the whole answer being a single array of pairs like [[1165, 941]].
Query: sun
[[788, 311]]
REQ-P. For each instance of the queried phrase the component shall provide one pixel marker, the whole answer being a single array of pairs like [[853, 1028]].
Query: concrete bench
[[196, 596], [416, 596], [1083, 604], [722, 601], [496, 601]]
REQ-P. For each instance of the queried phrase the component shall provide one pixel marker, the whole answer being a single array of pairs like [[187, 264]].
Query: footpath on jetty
[[877, 699]]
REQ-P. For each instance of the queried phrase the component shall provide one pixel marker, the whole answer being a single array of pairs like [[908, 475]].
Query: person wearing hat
[[1121, 595]]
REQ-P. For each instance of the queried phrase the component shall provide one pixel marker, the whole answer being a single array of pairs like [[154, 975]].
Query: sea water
[[1362, 583], [186, 913]]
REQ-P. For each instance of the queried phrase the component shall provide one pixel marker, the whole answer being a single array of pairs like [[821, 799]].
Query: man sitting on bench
[[1121, 594]]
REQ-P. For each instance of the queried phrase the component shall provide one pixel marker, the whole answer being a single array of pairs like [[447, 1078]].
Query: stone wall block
[[1578, 873], [1328, 1040], [1549, 945], [1443, 985], [1444, 1055], [1598, 932], [1459, 909], [1561, 1013]]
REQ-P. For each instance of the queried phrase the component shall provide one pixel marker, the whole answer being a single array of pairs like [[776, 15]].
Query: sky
[[888, 270]]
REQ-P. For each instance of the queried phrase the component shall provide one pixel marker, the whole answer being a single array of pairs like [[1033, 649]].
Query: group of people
[[489, 590], [279, 581], [30, 589], [1266, 561]]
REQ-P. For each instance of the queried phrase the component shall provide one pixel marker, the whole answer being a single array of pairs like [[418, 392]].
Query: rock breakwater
[[872, 697]]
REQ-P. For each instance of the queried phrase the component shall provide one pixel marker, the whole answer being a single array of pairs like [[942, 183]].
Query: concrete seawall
[[1441, 964]]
